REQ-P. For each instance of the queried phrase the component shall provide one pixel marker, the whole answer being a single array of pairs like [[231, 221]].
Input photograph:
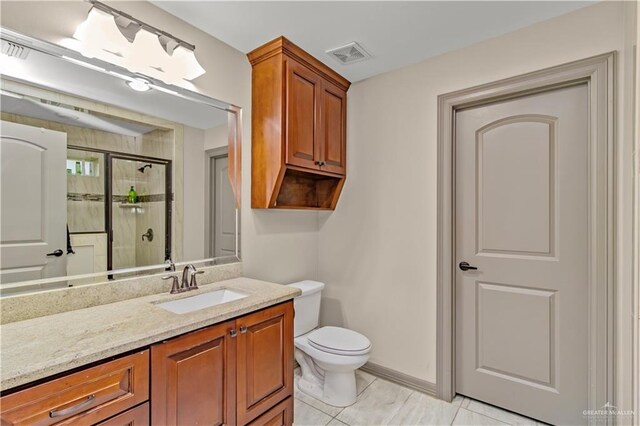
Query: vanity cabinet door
[[193, 378], [302, 115], [265, 360]]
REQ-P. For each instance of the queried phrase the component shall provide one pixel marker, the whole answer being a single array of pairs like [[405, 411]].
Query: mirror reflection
[[120, 183]]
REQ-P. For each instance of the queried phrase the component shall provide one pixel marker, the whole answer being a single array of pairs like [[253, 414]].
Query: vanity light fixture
[[113, 36]]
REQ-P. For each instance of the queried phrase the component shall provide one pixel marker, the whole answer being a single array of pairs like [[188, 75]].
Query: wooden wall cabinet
[[226, 374], [299, 111]]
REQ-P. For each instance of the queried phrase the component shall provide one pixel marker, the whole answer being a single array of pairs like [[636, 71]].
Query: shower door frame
[[108, 195]]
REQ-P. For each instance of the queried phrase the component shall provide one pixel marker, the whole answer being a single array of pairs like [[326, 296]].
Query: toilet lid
[[340, 341]]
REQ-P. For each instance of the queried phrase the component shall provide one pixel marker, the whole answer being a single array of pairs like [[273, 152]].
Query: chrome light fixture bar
[[121, 39], [129, 29]]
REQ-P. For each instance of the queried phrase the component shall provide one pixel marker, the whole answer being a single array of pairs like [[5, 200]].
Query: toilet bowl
[[328, 356]]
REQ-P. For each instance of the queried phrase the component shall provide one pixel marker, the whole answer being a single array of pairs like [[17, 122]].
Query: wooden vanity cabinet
[[234, 373], [299, 110], [226, 374]]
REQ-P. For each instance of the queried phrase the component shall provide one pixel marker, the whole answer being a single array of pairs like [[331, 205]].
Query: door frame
[[598, 73]]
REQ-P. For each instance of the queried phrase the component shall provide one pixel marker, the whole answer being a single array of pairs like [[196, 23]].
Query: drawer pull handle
[[73, 409]]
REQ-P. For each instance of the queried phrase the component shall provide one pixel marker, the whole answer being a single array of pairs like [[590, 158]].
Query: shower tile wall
[[129, 223], [156, 143], [85, 196]]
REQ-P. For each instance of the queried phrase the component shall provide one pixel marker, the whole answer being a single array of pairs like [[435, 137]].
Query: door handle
[[466, 267], [56, 253]]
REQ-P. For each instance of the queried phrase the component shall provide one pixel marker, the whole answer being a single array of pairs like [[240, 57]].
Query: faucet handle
[[193, 285], [175, 287]]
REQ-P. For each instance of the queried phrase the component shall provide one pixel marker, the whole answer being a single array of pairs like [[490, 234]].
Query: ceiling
[[395, 33], [63, 76], [65, 115]]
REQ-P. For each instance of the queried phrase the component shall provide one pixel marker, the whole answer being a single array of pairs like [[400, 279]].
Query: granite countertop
[[40, 347]]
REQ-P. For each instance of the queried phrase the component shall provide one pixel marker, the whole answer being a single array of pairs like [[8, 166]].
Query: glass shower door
[[139, 212]]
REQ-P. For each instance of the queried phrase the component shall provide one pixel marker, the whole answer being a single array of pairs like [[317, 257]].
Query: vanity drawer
[[86, 397], [138, 416], [280, 415]]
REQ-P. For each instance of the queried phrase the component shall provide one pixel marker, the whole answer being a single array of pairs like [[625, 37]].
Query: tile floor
[[384, 403]]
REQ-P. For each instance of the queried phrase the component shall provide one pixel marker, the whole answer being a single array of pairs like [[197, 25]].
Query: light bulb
[[139, 84]]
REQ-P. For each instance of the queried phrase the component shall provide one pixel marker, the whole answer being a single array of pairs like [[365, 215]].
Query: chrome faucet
[[186, 276], [188, 280], [189, 277]]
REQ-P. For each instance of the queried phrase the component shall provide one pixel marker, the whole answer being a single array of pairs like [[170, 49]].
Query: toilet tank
[[307, 306]]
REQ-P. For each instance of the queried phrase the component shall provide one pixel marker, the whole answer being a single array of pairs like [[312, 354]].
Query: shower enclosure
[[128, 197]]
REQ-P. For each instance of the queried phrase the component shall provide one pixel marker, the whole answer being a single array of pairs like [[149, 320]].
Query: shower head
[[141, 169]]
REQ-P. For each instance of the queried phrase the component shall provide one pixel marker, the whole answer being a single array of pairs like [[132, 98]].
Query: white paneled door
[[224, 212], [33, 203], [522, 220]]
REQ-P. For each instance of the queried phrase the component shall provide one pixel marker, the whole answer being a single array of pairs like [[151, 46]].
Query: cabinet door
[[333, 129], [193, 378], [280, 415], [302, 115], [265, 360]]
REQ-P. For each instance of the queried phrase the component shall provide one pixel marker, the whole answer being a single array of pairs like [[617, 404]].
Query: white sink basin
[[201, 301]]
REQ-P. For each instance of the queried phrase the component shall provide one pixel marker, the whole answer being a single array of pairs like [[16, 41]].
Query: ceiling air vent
[[15, 50], [349, 53]]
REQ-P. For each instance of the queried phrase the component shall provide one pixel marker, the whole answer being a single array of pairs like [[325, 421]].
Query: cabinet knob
[[233, 332], [243, 329]]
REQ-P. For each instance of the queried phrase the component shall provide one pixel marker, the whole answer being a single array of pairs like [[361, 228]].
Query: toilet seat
[[339, 341]]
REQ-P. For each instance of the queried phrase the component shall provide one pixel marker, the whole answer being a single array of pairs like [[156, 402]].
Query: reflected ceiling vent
[[349, 53], [15, 50]]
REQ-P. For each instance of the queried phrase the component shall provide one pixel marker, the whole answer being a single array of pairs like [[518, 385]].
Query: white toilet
[[328, 356]]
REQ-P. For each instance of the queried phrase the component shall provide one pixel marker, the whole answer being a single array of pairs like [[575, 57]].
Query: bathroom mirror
[[106, 175]]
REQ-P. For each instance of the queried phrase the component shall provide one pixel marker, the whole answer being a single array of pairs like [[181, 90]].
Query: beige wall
[[377, 251], [278, 246], [216, 137]]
